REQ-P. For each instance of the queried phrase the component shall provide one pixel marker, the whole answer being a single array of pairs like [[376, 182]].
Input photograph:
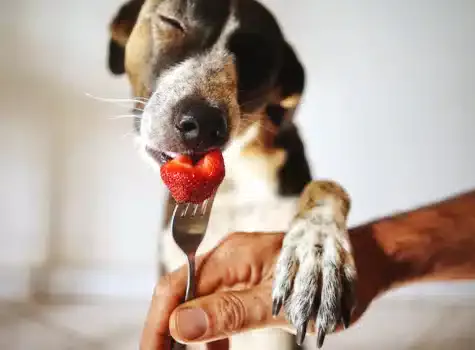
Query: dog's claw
[[276, 306], [345, 317], [301, 332], [320, 337], [348, 300]]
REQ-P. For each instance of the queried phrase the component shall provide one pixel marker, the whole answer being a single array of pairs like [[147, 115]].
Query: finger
[[223, 314], [168, 295], [155, 333]]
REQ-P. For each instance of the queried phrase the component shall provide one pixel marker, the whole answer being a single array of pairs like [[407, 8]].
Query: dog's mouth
[[159, 156], [162, 157]]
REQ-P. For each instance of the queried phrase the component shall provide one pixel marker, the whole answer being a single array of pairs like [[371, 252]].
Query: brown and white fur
[[198, 53]]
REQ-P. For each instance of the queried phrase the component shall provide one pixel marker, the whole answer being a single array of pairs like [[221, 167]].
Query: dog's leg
[[315, 273]]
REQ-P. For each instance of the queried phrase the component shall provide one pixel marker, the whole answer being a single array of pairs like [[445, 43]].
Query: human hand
[[234, 283]]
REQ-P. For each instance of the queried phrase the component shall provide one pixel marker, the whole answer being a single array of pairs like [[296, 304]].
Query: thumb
[[222, 314]]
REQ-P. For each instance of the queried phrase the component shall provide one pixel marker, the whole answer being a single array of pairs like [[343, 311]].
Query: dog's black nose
[[201, 126]]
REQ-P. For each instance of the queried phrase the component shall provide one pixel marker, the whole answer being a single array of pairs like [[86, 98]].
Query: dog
[[209, 74]]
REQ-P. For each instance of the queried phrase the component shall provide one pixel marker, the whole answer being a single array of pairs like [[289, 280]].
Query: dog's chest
[[251, 210]]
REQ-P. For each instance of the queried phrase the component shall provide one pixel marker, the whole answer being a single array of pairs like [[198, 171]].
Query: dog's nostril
[[202, 126], [188, 124], [189, 127]]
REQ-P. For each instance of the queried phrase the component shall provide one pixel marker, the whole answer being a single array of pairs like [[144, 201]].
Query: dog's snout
[[202, 126]]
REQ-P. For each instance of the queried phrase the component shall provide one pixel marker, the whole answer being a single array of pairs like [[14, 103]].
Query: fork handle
[[190, 293], [191, 285]]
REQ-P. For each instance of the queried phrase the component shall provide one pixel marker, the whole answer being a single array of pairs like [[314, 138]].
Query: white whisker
[[124, 116], [141, 100]]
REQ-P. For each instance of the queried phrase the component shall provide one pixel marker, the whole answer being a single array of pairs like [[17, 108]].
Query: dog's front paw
[[315, 274]]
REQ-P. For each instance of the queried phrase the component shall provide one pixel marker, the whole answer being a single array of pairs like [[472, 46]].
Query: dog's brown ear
[[290, 84], [120, 29]]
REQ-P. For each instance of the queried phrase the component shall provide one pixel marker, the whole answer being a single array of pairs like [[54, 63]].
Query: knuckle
[[232, 311]]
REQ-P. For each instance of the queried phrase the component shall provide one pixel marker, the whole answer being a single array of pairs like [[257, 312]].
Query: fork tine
[[184, 211], [204, 207], [208, 205], [176, 210], [180, 209], [187, 206]]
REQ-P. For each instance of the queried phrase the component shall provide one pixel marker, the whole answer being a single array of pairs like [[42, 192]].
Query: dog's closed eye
[[172, 22]]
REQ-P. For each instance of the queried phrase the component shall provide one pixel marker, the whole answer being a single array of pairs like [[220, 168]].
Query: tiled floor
[[91, 326], [394, 323]]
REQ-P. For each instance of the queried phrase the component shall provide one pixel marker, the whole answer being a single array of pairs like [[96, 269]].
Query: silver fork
[[189, 224]]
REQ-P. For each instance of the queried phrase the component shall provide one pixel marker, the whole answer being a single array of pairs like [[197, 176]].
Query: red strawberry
[[193, 183]]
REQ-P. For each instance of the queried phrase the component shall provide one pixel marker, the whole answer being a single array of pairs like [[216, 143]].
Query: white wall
[[390, 104], [74, 195], [389, 112]]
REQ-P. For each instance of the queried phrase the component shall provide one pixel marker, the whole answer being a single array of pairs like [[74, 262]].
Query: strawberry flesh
[[193, 183]]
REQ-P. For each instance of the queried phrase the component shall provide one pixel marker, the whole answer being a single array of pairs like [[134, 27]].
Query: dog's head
[[208, 71]]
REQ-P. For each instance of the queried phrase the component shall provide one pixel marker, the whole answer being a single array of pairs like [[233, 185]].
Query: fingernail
[[191, 323]]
